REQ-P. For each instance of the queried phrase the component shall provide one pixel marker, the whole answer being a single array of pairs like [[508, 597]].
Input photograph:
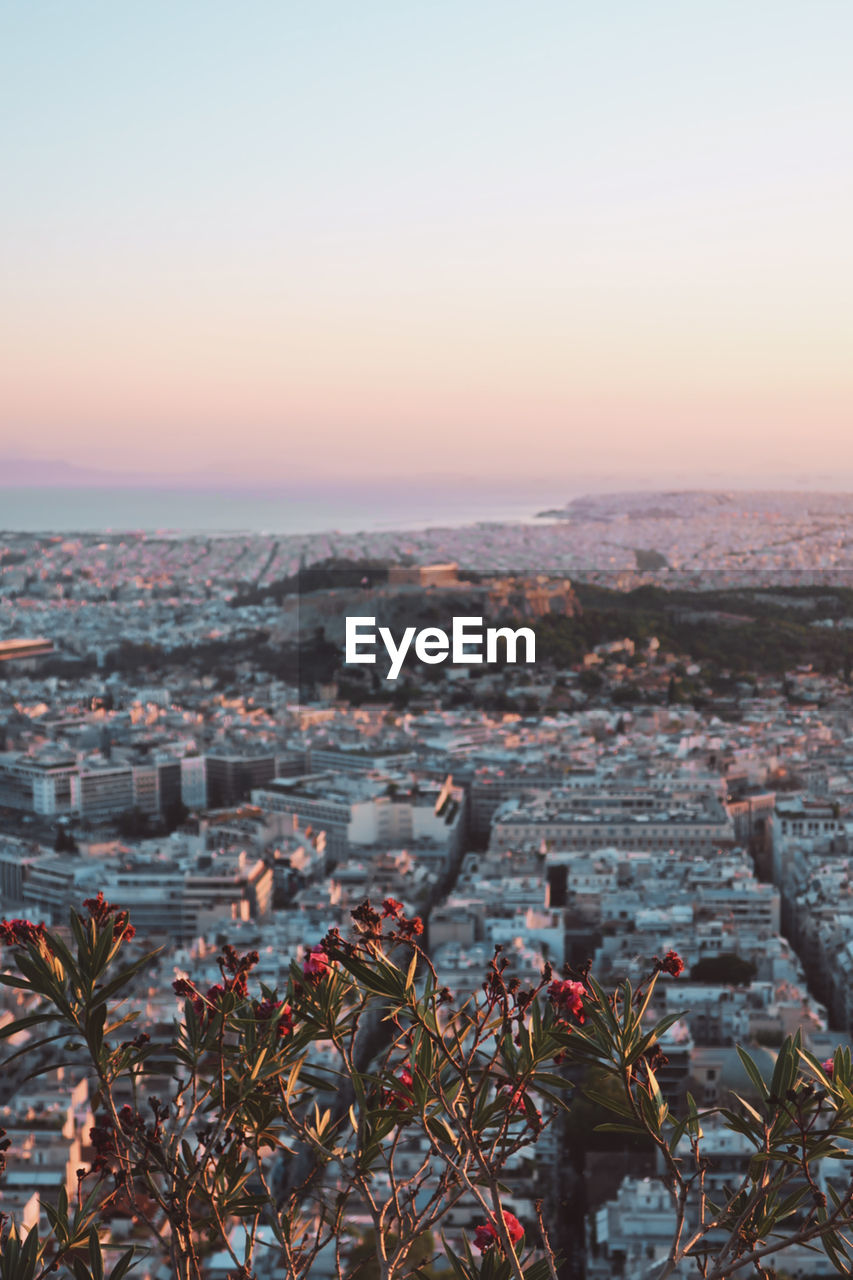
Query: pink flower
[[392, 908], [828, 1066], [568, 997], [487, 1234], [316, 963]]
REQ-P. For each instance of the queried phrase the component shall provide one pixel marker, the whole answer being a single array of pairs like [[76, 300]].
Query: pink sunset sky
[[350, 242]]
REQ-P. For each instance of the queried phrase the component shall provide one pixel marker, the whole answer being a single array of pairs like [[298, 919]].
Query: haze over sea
[[78, 510], [213, 505]]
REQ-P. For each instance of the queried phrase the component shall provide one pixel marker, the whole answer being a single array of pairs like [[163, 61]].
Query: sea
[[179, 511]]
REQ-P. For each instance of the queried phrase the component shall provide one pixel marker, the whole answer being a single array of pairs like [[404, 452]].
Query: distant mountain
[[50, 473], [35, 471], [691, 504]]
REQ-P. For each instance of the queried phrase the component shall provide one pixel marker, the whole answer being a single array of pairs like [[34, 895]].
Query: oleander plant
[[350, 1124]]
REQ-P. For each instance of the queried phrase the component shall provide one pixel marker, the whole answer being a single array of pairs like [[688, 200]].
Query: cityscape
[[182, 733], [426, 641]]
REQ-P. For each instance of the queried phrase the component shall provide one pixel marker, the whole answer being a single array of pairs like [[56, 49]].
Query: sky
[[357, 241]]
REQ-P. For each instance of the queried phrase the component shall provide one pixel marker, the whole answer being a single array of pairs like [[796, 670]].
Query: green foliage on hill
[[727, 969], [749, 631]]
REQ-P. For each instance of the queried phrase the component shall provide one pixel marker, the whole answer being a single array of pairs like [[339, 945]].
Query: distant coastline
[[95, 509], [422, 504]]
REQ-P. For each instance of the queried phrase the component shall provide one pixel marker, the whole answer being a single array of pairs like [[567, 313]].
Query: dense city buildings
[[675, 773]]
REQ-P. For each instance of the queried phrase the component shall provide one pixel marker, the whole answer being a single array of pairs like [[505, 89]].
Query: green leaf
[[59, 949], [644, 1004], [410, 975], [440, 1130], [21, 1024], [122, 978], [627, 1005], [793, 1201], [96, 1260], [10, 980], [79, 932], [741, 1125], [383, 980], [552, 1080], [651, 1037], [101, 951], [459, 1269], [30, 1251], [610, 1102], [786, 1066], [835, 1251], [121, 1267], [603, 1006], [612, 1127], [32, 1045], [679, 1127], [746, 1106], [538, 1270], [656, 1097], [752, 1071]]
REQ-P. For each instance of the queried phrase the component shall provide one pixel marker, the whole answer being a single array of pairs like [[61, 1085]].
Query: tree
[[174, 814], [64, 842], [132, 824], [590, 680], [364, 1263], [285, 1111], [293, 1111], [726, 968]]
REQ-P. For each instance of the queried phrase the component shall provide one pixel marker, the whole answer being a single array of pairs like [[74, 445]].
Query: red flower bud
[[672, 963], [100, 911], [20, 933]]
